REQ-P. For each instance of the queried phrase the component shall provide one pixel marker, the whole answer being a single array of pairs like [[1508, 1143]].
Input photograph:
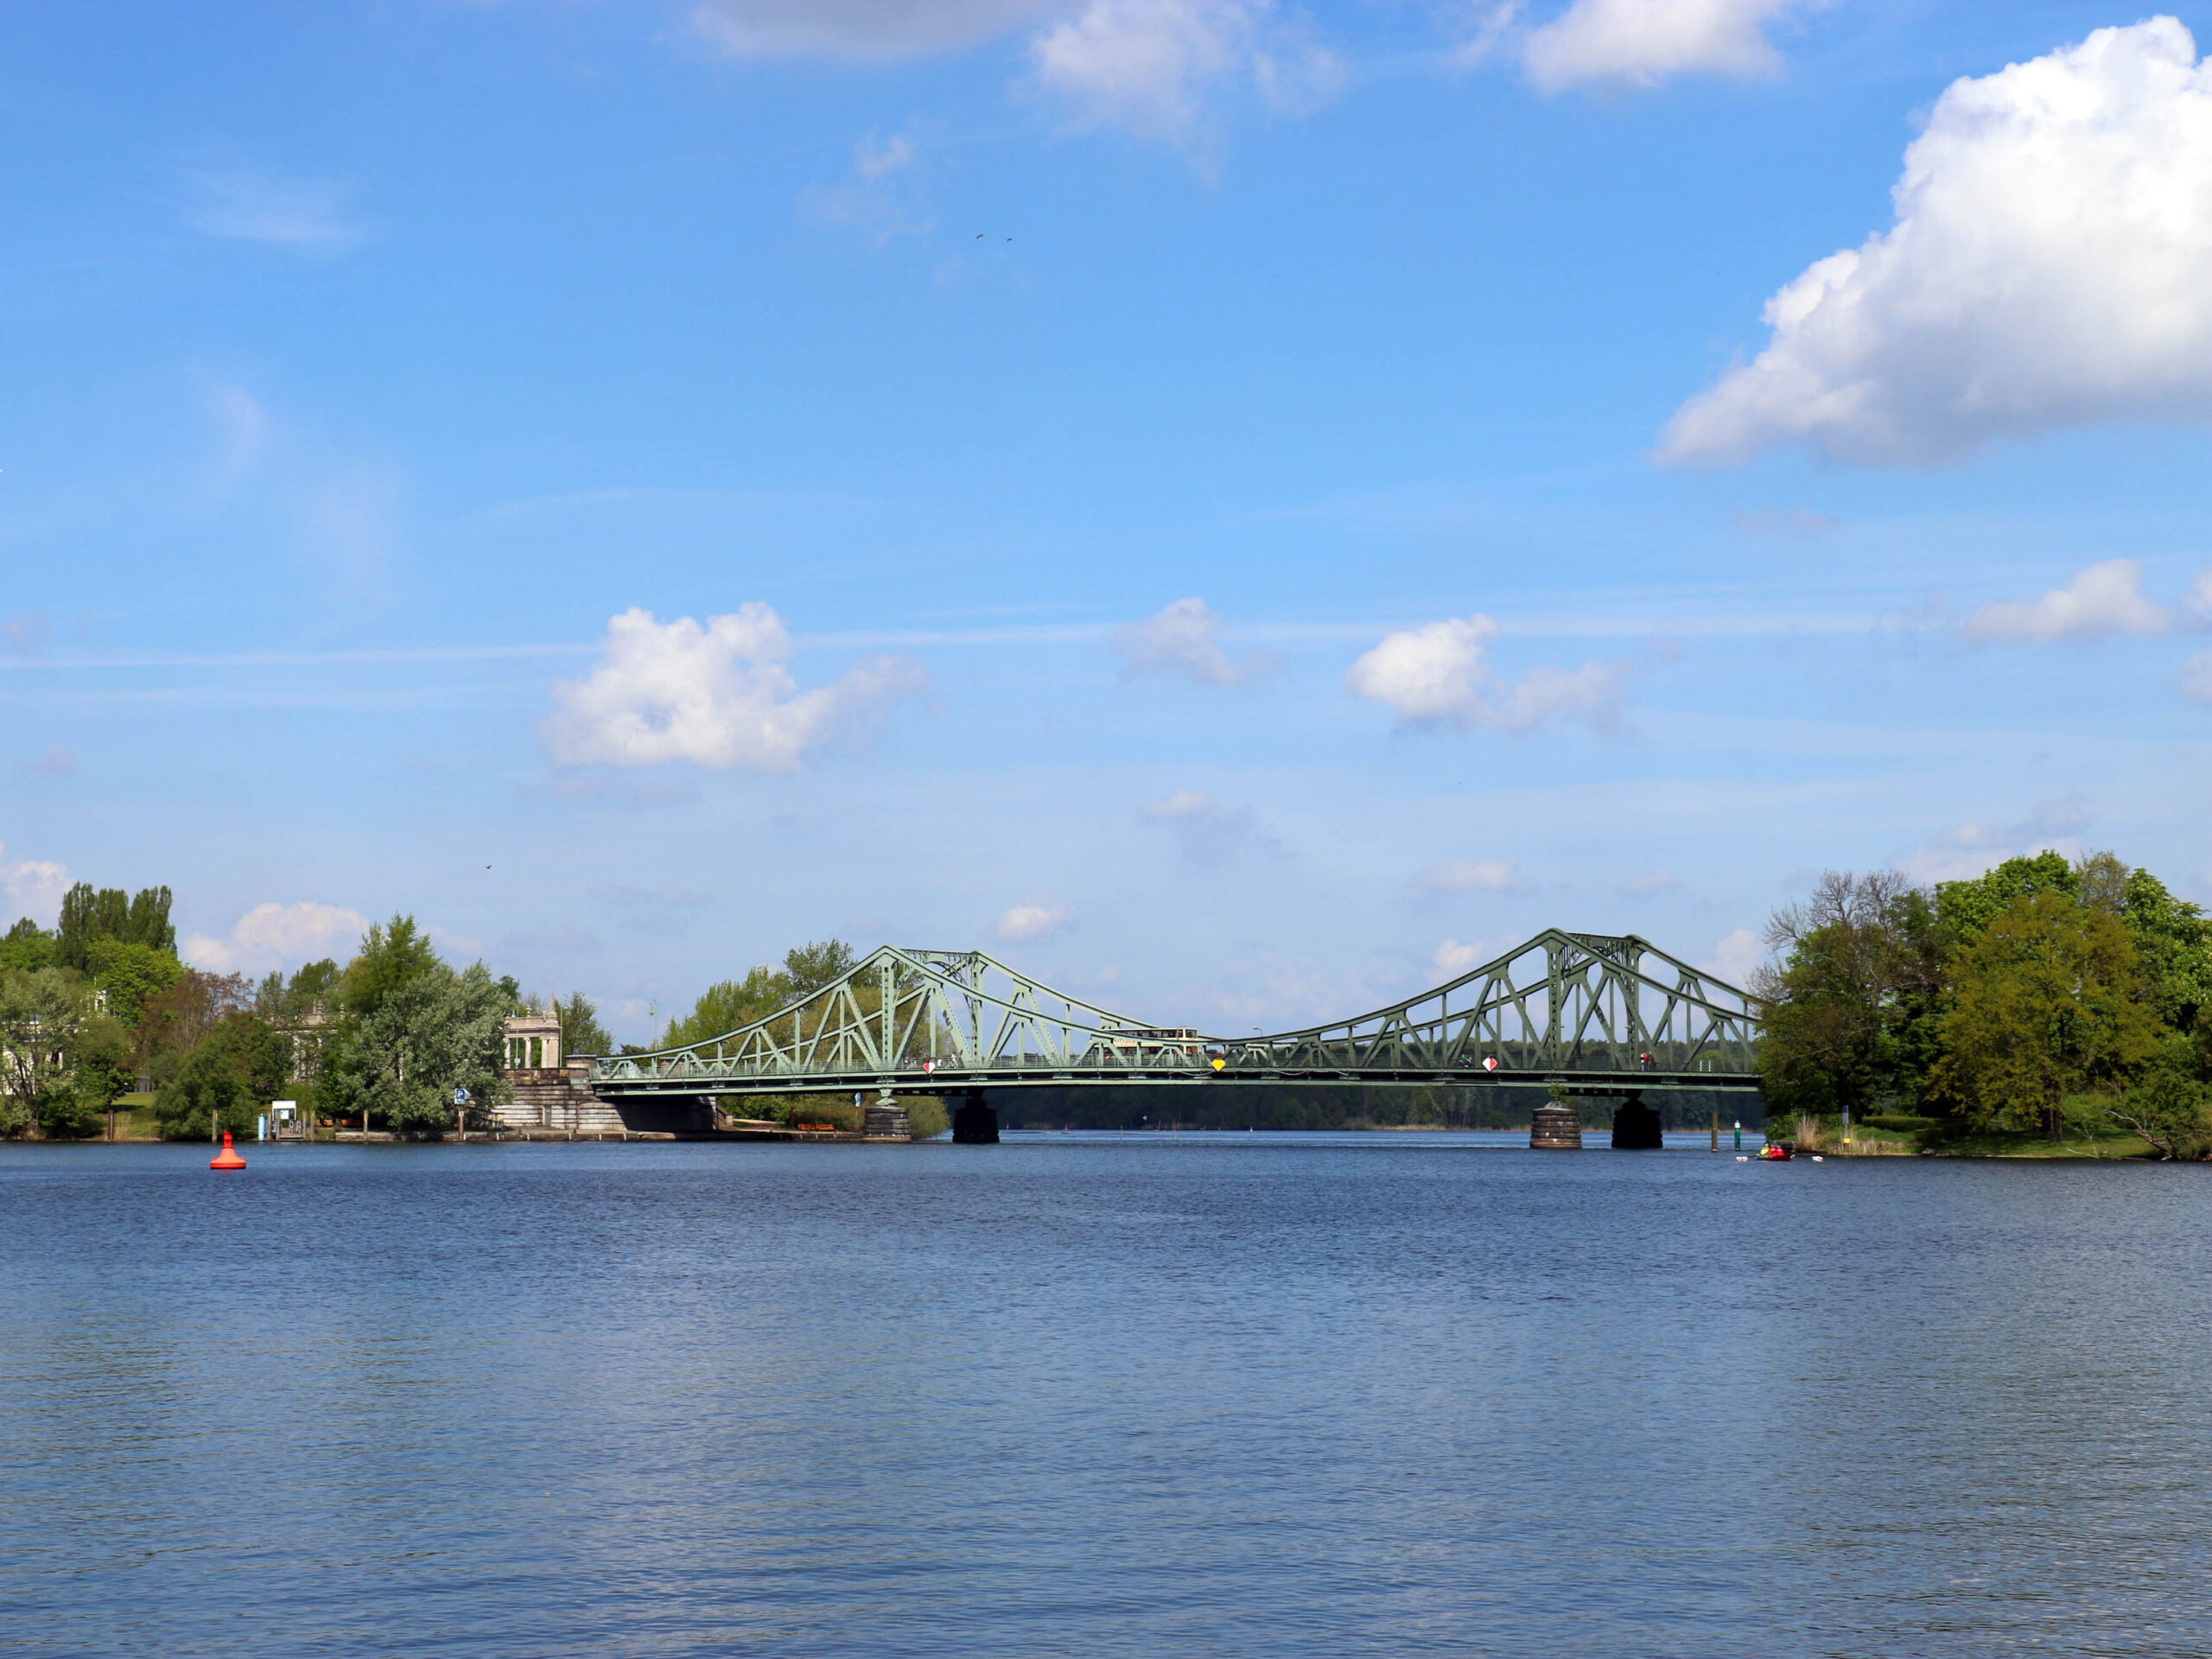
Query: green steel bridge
[[1596, 1014]]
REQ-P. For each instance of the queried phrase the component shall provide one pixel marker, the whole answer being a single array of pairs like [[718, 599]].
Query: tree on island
[[1849, 1009], [2040, 990], [2047, 1002]]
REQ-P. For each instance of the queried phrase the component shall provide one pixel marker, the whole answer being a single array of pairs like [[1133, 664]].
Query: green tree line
[[101, 1001], [2045, 997]]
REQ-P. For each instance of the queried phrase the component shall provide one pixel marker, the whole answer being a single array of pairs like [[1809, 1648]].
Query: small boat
[[1775, 1152]]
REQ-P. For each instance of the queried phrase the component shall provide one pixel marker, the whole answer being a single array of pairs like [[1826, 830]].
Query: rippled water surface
[[1238, 1394]]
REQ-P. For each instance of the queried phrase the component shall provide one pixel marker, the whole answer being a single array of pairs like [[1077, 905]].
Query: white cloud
[[880, 199], [56, 761], [860, 28], [1469, 875], [2105, 600], [2197, 604], [1644, 883], [872, 159], [306, 216], [1735, 957], [2054, 223], [1022, 923], [1642, 42], [1179, 640], [1150, 66], [2196, 677], [1452, 958], [716, 694], [34, 887], [1966, 850], [1440, 675], [278, 936], [1209, 833]]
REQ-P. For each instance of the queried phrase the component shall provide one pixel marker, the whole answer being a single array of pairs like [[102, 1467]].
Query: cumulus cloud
[[1206, 832], [2105, 600], [34, 887], [306, 216], [2197, 604], [1150, 66], [1452, 958], [1642, 42], [1023, 924], [2054, 223], [1181, 640], [1467, 875], [2196, 677], [1735, 957], [713, 695], [1966, 850], [1440, 675], [277, 936]]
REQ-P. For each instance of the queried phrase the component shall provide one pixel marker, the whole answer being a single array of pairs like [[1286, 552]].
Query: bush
[[1902, 1122], [926, 1118]]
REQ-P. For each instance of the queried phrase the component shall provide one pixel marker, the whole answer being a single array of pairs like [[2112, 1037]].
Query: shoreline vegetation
[[2048, 1009]]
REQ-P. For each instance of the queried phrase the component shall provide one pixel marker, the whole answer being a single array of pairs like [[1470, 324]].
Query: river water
[[1230, 1395]]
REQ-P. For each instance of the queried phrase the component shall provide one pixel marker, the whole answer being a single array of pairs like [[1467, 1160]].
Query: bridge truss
[[1596, 1013]]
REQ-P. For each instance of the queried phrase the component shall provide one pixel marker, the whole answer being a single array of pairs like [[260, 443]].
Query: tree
[[27, 948], [314, 985], [2174, 939], [1965, 907], [2047, 1002], [2171, 1108], [41, 1015], [1849, 1013], [432, 1032], [808, 967], [101, 1067], [128, 973], [171, 1022], [581, 1032], [392, 954], [89, 914], [729, 1003], [225, 1081]]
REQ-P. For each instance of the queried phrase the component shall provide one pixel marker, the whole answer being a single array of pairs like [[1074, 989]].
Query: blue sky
[[1239, 509]]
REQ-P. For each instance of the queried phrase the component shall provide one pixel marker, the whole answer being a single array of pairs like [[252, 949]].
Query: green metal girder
[[1581, 1008]]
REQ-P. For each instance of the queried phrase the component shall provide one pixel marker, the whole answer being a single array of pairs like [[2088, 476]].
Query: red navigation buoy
[[228, 1157]]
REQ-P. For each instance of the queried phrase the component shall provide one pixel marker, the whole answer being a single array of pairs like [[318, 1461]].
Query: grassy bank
[[1900, 1136]]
